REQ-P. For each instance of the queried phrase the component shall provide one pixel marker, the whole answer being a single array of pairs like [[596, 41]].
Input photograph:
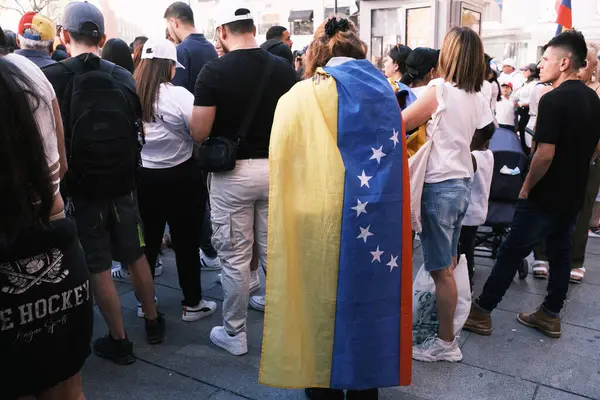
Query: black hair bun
[[334, 26]]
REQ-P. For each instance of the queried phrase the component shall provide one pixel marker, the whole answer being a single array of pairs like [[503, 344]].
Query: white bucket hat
[[161, 49]]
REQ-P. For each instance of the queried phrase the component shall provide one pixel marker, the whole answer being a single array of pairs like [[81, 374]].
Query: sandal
[[577, 275], [540, 269]]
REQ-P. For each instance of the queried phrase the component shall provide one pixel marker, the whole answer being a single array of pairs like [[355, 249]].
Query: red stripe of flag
[[564, 14], [406, 278]]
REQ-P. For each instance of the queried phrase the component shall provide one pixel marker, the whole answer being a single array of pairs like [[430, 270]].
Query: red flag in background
[[564, 17]]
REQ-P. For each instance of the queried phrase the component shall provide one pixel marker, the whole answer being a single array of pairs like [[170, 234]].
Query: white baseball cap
[[161, 49], [229, 13], [509, 62]]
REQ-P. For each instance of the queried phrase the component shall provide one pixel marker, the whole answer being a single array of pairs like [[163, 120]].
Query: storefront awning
[[301, 15], [341, 10]]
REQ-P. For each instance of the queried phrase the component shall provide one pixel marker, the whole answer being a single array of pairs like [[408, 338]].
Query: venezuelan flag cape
[[339, 285]]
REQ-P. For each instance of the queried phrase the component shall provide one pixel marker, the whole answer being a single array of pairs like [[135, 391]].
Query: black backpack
[[103, 127]]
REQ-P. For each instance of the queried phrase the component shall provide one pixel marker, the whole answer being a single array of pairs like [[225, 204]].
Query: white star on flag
[[361, 208], [364, 233], [378, 154], [392, 264], [394, 138], [364, 179], [376, 255]]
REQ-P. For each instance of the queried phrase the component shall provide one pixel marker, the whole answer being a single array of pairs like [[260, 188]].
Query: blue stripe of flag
[[366, 350]]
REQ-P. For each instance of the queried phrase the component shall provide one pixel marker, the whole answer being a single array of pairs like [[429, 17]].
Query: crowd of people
[[112, 151]]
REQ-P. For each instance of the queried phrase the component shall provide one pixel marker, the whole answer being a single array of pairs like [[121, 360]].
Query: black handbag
[[219, 153]]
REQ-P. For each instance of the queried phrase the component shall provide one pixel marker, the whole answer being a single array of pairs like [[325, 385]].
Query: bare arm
[[421, 110], [540, 164], [201, 122], [60, 139]]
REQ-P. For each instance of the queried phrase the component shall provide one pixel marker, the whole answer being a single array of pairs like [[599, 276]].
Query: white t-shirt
[[480, 189], [418, 91], [505, 112], [44, 116], [523, 95], [516, 78], [168, 141], [534, 103], [460, 114]]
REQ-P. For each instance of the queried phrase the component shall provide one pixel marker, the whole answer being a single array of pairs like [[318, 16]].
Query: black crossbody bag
[[219, 154]]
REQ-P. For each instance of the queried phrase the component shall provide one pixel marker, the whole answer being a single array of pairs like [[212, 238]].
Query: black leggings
[[466, 246], [174, 196], [333, 394]]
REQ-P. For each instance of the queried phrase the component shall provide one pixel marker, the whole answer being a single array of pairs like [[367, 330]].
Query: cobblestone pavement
[[515, 363]]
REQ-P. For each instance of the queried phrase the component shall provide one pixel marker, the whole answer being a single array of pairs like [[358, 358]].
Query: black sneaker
[[155, 330], [118, 351]]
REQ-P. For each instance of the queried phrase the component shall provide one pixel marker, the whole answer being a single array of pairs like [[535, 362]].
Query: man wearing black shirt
[[107, 226], [567, 139], [239, 199]]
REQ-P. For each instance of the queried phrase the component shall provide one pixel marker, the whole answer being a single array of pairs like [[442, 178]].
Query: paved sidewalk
[[515, 363]]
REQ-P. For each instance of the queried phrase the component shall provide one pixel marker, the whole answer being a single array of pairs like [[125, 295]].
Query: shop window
[[418, 27], [471, 19], [385, 32], [302, 22]]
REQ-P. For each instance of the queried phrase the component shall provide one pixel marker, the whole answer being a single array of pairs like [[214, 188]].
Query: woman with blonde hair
[[340, 262], [453, 108]]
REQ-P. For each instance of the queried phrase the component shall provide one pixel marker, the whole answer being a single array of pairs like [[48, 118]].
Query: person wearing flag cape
[[339, 287]]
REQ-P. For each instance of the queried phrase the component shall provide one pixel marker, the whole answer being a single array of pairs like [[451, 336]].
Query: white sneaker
[[257, 303], [140, 312], [219, 279], [209, 264], [594, 233], [435, 349], [158, 268], [117, 272], [203, 309], [236, 345], [254, 282]]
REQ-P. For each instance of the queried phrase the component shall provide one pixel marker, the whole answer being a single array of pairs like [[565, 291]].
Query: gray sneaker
[[257, 303]]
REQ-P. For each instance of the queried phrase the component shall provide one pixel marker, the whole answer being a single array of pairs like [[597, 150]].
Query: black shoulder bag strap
[[243, 131]]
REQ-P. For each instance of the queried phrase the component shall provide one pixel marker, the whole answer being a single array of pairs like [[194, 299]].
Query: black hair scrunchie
[[334, 26]]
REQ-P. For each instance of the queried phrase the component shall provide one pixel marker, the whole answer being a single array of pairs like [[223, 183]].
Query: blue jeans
[[530, 225], [443, 208]]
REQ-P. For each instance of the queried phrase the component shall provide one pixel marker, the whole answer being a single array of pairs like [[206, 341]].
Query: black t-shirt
[[567, 118], [60, 77], [229, 83]]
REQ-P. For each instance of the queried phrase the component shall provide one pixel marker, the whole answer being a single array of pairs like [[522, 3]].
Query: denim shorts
[[443, 207]]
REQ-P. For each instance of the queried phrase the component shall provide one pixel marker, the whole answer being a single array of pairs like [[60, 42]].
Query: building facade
[[301, 17], [519, 29], [415, 23]]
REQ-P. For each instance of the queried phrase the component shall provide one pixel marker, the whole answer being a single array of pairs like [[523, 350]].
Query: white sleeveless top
[[460, 114]]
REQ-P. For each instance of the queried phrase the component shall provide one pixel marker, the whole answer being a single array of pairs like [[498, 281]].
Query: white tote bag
[[425, 320]]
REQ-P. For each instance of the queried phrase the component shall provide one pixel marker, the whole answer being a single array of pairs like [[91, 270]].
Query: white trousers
[[239, 214]]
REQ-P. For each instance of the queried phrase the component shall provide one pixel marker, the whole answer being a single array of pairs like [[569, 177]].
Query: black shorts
[[109, 230], [45, 310]]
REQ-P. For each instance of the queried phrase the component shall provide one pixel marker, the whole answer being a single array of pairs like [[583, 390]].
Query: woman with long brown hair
[[169, 187], [45, 300], [455, 109]]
